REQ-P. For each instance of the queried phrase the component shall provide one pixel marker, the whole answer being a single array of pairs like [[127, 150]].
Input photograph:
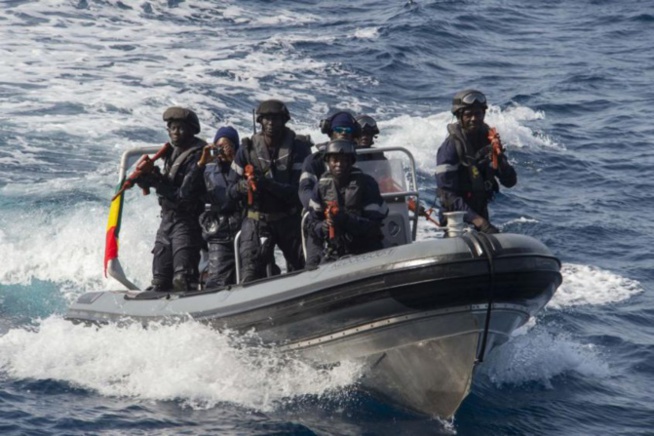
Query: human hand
[[242, 186], [489, 229], [262, 181], [149, 180], [208, 153]]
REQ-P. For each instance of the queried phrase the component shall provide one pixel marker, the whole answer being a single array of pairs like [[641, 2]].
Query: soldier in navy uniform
[[180, 192], [340, 125], [347, 210], [270, 192], [465, 178]]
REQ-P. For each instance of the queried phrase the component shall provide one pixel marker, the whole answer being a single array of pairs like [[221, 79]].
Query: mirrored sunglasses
[[342, 130]]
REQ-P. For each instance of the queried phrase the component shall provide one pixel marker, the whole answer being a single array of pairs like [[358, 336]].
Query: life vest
[[475, 179], [171, 172], [348, 197], [220, 223], [171, 167], [278, 166]]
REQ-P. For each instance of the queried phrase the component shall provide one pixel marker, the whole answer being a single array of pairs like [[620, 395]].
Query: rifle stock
[[143, 166]]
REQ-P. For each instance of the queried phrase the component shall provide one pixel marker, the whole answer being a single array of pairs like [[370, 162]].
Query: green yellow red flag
[[113, 228]]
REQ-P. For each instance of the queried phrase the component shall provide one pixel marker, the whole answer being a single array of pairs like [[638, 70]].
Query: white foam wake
[[188, 362], [587, 284], [540, 356]]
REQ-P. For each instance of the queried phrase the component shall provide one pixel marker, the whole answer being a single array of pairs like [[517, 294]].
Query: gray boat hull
[[420, 316]]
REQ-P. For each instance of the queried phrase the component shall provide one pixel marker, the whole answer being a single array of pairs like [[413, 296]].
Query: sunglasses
[[342, 130]]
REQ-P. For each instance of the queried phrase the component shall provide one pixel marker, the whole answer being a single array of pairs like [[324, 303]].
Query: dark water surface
[[570, 87]]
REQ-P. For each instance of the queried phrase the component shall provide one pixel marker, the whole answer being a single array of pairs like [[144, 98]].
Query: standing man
[[466, 176], [179, 237], [340, 125], [222, 217], [347, 210], [266, 176]]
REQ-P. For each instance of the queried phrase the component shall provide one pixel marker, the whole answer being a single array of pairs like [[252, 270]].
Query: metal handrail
[[414, 181]]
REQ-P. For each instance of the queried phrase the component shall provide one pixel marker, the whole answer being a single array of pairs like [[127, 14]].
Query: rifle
[[144, 165], [254, 122], [330, 211], [420, 211], [496, 147], [252, 185]]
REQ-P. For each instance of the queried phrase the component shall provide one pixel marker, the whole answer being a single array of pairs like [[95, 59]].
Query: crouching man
[[346, 210]]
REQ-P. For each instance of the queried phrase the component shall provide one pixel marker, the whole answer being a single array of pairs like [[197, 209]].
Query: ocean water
[[570, 88]]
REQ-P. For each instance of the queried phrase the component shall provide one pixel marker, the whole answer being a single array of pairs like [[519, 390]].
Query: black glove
[[341, 219], [321, 229], [242, 187], [489, 229], [262, 181], [149, 180]]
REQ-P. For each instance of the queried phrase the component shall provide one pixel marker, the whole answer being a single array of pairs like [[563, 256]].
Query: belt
[[269, 217]]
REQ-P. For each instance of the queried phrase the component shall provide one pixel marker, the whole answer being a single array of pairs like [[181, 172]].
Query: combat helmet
[[340, 146], [272, 107], [368, 124], [176, 113], [468, 98]]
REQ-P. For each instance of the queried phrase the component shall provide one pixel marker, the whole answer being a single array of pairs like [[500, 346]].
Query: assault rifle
[[145, 165], [330, 212], [496, 147], [421, 211], [252, 185]]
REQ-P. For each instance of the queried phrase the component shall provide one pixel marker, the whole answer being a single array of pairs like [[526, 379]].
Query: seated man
[[346, 210], [340, 125], [369, 132]]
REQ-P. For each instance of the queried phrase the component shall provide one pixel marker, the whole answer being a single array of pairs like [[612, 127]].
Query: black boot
[[158, 285]]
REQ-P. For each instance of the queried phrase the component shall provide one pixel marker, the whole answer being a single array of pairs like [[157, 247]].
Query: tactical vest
[[348, 197], [475, 179], [171, 173], [171, 168], [278, 166]]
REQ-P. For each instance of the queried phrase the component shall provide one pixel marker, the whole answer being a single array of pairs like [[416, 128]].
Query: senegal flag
[[113, 228]]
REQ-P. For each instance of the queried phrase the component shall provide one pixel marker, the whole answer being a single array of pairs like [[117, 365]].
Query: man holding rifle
[[266, 176], [347, 209], [180, 192], [471, 161]]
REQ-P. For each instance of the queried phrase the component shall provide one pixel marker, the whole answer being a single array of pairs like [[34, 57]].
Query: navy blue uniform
[[220, 222], [312, 168], [179, 237], [275, 212], [359, 219], [465, 179]]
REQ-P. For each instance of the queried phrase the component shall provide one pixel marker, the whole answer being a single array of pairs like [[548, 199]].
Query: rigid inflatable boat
[[419, 314]]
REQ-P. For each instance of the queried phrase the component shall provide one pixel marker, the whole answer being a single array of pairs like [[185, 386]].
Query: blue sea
[[570, 86]]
